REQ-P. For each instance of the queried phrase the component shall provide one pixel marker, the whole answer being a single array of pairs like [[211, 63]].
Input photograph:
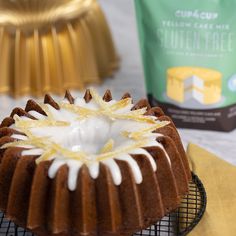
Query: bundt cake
[[90, 166]]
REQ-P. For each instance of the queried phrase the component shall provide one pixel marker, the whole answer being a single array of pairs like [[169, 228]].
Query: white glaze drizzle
[[73, 173], [141, 151], [154, 143], [19, 136], [133, 166], [55, 166], [116, 173], [94, 170], [89, 135], [33, 151], [37, 115]]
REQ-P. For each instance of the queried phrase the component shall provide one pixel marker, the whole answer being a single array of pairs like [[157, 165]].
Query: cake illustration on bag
[[90, 166], [201, 84]]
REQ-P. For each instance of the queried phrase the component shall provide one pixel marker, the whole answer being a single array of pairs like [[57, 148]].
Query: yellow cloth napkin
[[219, 179]]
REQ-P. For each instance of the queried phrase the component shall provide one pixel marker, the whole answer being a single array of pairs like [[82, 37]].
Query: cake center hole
[[89, 135]]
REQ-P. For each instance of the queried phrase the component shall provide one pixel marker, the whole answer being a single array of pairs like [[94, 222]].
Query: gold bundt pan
[[51, 46]]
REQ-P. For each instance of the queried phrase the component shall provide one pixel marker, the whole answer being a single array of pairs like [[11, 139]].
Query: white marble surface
[[121, 17]]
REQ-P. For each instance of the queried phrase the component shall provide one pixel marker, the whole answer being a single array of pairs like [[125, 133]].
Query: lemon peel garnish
[[56, 149], [30, 123], [107, 155], [80, 111], [130, 116], [108, 146], [46, 156], [46, 110], [140, 111], [98, 99], [35, 141], [140, 133], [120, 104], [39, 123], [80, 155]]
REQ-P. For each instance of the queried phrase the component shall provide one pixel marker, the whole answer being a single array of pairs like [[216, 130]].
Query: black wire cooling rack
[[178, 223], [186, 217]]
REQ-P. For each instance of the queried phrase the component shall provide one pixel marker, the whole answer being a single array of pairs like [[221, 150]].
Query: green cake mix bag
[[189, 55]]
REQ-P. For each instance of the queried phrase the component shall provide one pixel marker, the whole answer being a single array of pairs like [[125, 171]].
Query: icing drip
[[134, 167], [89, 133], [115, 170]]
